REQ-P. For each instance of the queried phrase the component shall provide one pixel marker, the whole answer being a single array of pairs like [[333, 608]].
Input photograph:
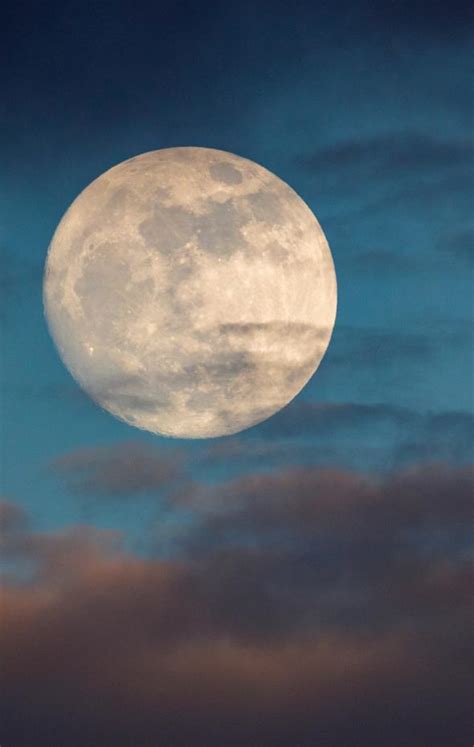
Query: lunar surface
[[190, 292]]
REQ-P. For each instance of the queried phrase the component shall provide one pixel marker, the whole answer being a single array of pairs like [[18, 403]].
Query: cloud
[[313, 417], [17, 277], [278, 329], [375, 348], [415, 173], [459, 245], [394, 151], [406, 365], [309, 606], [385, 436], [123, 470], [336, 506], [384, 261], [12, 518]]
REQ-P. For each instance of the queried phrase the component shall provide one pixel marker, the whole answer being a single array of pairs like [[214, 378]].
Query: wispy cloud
[[406, 151], [123, 470], [17, 278]]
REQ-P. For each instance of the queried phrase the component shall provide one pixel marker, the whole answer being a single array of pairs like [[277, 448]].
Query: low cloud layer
[[122, 470], [305, 607]]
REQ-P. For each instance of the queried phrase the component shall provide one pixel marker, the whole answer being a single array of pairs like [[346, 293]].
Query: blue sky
[[366, 111], [371, 128]]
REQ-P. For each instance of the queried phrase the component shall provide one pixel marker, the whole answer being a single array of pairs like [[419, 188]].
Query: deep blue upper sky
[[305, 582]]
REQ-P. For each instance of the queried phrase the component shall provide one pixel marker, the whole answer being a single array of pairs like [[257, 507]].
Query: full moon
[[190, 292]]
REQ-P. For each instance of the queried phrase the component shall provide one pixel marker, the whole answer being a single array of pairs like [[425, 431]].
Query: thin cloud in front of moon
[[190, 292]]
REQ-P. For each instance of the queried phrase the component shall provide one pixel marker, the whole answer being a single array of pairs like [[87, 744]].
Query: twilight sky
[[307, 581]]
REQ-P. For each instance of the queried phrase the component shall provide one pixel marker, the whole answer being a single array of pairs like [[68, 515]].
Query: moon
[[190, 292]]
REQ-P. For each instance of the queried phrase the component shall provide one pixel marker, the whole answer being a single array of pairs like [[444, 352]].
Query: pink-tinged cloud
[[339, 613], [123, 470]]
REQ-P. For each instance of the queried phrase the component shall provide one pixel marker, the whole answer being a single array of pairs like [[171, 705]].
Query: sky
[[307, 581]]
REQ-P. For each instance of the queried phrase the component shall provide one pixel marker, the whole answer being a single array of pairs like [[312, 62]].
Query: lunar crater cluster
[[190, 292]]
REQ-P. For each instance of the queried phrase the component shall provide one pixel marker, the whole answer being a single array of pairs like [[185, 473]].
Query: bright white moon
[[190, 292]]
